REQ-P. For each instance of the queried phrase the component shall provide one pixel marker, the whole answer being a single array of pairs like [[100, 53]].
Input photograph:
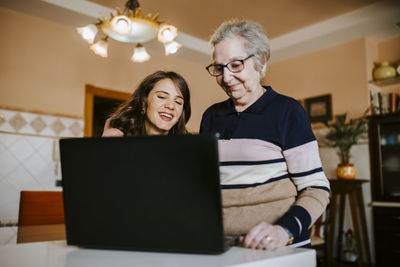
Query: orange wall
[[338, 70], [390, 51], [44, 66]]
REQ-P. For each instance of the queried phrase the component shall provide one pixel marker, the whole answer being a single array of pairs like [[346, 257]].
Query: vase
[[346, 171], [350, 256], [384, 71]]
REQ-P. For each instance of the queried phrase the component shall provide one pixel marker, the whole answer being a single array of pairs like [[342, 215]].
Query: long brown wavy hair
[[130, 117]]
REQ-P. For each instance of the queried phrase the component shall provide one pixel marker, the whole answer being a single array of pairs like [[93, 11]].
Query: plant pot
[[346, 171], [350, 256]]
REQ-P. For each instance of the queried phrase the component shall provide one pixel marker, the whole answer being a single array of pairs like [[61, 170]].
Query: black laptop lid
[[157, 193]]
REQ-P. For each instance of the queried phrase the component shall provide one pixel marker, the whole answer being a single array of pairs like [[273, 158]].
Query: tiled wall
[[29, 158]]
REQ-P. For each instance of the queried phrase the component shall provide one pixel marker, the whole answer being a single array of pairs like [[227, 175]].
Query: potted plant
[[342, 135]]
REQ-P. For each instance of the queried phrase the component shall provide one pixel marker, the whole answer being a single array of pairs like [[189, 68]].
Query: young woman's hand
[[111, 132], [265, 236]]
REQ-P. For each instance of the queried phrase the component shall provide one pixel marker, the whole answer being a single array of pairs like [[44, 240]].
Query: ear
[[264, 63], [264, 67]]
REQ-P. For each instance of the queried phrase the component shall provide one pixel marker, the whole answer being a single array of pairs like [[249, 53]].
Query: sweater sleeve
[[300, 150]]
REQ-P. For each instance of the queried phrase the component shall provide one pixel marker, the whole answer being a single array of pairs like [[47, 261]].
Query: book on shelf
[[383, 103]]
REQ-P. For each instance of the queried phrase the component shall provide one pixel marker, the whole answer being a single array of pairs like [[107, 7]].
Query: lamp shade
[[88, 32], [140, 54], [121, 25], [167, 33], [100, 48], [130, 26], [171, 47]]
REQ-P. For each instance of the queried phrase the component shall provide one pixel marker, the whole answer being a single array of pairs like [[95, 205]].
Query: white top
[[58, 253]]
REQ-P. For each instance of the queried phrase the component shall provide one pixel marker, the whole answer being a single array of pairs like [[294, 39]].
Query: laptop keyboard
[[232, 240]]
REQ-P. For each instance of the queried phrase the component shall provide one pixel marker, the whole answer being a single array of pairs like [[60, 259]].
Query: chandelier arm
[[132, 5], [130, 27]]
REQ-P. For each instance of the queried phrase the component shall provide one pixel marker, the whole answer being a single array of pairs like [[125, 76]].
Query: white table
[[58, 253]]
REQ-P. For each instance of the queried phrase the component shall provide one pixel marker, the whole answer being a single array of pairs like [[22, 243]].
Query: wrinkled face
[[243, 87], [164, 107]]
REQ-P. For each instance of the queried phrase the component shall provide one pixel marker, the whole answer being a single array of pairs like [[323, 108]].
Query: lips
[[231, 87], [166, 116]]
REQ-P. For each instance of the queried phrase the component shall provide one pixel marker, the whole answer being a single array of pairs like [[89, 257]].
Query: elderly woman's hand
[[265, 236], [111, 132]]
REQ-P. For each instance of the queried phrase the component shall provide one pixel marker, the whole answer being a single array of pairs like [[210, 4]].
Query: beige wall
[[390, 50], [44, 66], [339, 71]]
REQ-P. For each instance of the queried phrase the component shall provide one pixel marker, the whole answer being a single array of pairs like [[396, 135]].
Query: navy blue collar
[[257, 107]]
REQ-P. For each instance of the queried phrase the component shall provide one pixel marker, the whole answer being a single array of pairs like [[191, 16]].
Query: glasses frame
[[226, 66]]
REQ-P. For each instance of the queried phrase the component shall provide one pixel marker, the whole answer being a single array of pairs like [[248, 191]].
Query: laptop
[[150, 193]]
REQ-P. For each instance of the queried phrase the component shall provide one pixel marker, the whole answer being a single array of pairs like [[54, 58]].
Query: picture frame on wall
[[319, 108]]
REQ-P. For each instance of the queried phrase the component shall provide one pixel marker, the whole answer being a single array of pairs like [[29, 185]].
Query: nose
[[226, 75], [170, 105]]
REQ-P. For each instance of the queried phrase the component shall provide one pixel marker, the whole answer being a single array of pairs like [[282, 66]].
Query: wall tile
[[38, 124], [6, 127], [8, 139], [29, 157], [17, 122], [21, 149], [20, 178], [35, 164], [7, 163], [36, 141], [9, 199], [8, 235]]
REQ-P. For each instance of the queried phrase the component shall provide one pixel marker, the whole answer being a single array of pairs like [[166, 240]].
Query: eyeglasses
[[234, 66]]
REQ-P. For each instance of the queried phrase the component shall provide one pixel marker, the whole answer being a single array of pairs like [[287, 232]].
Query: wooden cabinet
[[387, 235], [384, 148]]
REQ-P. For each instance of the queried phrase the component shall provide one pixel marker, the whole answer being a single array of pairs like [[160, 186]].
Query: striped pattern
[[251, 162], [270, 166]]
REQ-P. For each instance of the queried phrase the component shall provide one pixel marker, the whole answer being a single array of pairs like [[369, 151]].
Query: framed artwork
[[319, 108]]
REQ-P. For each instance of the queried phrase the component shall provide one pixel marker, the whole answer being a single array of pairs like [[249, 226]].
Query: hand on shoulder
[[111, 132]]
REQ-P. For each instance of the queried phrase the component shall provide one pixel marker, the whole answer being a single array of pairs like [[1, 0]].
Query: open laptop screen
[[157, 193]]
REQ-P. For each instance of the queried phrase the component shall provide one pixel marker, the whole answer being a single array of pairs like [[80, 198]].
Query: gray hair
[[256, 41]]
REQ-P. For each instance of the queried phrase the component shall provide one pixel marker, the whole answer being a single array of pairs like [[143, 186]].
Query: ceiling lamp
[[130, 27]]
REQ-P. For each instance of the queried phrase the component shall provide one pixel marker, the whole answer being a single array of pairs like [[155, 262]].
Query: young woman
[[159, 106]]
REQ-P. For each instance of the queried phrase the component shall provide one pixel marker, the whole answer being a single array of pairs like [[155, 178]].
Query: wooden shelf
[[386, 82]]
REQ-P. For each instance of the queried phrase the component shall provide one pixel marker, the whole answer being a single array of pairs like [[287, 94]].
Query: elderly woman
[[273, 185]]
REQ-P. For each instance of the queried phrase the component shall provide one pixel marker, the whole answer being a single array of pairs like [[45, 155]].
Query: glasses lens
[[215, 70], [235, 66]]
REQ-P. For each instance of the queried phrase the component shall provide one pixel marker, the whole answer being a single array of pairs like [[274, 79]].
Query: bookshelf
[[384, 96], [386, 82]]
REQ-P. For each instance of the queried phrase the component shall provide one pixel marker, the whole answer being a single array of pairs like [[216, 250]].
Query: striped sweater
[[269, 165]]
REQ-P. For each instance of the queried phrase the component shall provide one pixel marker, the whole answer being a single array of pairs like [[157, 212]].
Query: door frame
[[90, 92]]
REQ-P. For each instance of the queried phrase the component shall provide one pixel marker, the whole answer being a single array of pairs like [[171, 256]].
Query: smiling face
[[164, 107], [244, 87]]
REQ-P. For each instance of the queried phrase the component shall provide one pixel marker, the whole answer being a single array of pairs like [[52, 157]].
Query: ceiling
[[201, 18], [295, 27]]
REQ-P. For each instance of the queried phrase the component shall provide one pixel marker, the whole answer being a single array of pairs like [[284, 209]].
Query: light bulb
[[171, 47], [100, 48], [121, 25], [167, 33], [168, 36], [88, 33], [140, 54]]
